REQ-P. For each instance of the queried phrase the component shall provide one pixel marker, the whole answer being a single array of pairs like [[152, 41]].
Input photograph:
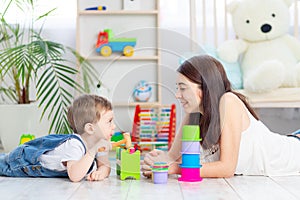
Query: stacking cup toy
[[190, 150], [190, 160], [190, 174], [191, 133], [190, 147], [160, 173]]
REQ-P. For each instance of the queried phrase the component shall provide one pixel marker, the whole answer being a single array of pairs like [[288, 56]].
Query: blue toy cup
[[190, 160]]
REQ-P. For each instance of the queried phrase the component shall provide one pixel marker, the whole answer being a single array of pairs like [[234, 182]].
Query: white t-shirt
[[263, 152], [72, 149]]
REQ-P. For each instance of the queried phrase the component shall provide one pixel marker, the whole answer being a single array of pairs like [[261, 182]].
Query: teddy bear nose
[[266, 28]]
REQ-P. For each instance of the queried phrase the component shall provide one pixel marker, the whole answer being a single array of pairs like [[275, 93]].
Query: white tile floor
[[247, 187], [238, 187]]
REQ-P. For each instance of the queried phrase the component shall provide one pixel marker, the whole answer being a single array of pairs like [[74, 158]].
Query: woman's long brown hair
[[211, 77]]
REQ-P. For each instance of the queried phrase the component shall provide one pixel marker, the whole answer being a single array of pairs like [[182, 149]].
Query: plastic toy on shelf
[[96, 8], [154, 127], [106, 44], [142, 92], [190, 150]]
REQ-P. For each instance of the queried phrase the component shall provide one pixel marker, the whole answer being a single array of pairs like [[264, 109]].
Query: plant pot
[[18, 119]]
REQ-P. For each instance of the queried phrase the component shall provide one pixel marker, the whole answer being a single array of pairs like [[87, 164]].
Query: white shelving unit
[[279, 98], [118, 73]]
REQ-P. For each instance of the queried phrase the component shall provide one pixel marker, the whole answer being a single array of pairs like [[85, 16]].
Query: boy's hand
[[103, 168], [99, 175]]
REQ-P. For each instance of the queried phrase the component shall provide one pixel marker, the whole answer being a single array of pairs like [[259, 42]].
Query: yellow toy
[[126, 141], [25, 138]]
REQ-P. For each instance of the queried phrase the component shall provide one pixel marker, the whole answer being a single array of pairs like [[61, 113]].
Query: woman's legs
[[295, 134]]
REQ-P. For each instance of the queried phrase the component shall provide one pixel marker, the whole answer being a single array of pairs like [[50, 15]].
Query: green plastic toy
[[128, 163]]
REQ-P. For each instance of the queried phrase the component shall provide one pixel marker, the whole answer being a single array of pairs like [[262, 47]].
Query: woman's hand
[[158, 156]]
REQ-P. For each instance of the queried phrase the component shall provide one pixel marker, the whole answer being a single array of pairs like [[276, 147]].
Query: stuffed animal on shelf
[[269, 55], [142, 91]]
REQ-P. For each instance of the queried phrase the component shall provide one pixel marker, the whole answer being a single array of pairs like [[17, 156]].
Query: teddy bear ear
[[230, 7], [288, 2]]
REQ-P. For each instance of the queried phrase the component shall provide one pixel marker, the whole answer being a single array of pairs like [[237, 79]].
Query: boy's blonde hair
[[86, 109]]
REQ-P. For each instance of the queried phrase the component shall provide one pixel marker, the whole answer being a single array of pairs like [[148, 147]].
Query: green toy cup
[[191, 133]]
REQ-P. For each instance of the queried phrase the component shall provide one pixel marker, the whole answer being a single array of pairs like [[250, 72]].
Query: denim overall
[[23, 161]]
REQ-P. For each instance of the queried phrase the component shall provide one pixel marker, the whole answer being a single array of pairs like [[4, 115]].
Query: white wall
[[175, 43]]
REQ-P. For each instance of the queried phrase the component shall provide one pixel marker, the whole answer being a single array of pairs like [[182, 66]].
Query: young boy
[[73, 155]]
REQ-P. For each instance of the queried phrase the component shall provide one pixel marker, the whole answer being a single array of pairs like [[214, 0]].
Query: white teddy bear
[[269, 55]]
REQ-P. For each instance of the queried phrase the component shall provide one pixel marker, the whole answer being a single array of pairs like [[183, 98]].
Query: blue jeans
[[23, 160]]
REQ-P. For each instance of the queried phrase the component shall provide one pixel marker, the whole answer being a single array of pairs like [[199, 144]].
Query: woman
[[234, 141]]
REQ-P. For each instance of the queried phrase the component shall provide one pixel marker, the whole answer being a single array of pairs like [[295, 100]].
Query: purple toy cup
[[190, 175], [190, 147], [160, 176], [160, 173]]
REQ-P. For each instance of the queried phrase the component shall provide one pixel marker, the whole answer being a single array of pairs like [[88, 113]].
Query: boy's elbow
[[75, 179]]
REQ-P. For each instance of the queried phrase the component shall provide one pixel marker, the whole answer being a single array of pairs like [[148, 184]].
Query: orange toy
[[126, 141]]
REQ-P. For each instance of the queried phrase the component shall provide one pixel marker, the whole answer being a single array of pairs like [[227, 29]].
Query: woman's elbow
[[228, 173]]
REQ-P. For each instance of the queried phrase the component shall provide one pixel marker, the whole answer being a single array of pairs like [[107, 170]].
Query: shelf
[[119, 73], [118, 12], [133, 104], [123, 58], [279, 98], [153, 143]]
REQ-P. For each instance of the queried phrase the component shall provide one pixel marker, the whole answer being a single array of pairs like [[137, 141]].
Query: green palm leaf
[[43, 63]]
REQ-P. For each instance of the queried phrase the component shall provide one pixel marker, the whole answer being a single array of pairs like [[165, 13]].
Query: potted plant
[[29, 63]]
